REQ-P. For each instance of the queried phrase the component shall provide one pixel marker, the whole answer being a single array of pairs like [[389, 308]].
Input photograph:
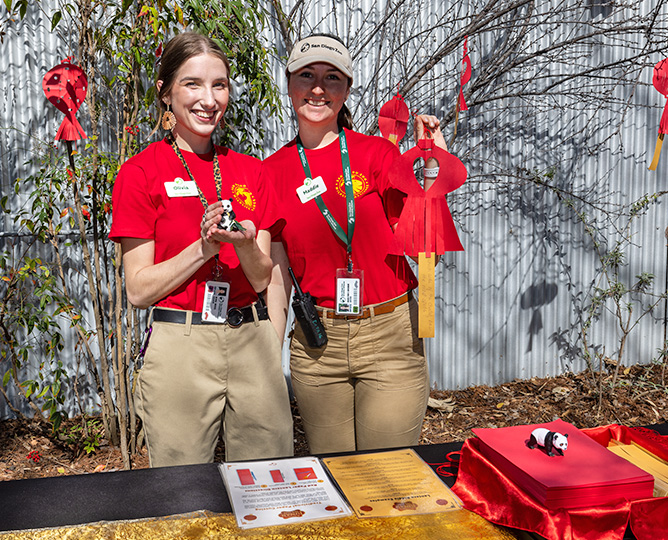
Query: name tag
[[181, 188], [311, 189]]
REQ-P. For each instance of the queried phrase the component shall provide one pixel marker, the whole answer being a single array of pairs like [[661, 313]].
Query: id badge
[[216, 297], [349, 287]]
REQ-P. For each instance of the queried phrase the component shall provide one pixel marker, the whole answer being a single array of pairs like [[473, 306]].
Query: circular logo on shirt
[[244, 196], [360, 185]]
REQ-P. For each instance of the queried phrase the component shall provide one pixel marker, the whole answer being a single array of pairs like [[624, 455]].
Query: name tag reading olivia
[[311, 189], [181, 188]]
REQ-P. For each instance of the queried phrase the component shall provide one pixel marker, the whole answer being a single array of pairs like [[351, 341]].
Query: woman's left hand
[[427, 126]]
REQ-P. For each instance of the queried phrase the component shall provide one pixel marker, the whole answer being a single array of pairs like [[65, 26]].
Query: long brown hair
[[178, 51]]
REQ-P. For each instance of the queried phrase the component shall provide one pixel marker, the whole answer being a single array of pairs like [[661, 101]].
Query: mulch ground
[[633, 396]]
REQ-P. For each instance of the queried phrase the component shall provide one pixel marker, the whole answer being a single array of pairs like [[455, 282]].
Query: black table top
[[137, 494]]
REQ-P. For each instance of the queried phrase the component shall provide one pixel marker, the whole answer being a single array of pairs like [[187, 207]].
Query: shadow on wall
[[535, 297]]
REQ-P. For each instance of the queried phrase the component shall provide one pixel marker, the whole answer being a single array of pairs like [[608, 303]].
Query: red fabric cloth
[[500, 501], [143, 209], [315, 252]]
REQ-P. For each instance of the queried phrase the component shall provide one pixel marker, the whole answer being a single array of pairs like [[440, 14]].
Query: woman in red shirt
[[213, 358], [368, 386]]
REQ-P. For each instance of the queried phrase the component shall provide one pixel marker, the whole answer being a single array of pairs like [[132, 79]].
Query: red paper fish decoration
[[425, 224], [65, 86], [660, 82], [393, 119]]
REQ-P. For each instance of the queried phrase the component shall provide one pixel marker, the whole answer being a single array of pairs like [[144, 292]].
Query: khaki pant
[[196, 377], [369, 386]]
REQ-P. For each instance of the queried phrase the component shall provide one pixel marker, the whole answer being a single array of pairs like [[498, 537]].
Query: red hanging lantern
[[393, 119], [65, 86]]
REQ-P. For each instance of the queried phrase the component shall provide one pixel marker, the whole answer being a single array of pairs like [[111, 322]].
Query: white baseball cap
[[320, 49]]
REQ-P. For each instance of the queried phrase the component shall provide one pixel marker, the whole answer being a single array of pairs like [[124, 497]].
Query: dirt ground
[[639, 397]]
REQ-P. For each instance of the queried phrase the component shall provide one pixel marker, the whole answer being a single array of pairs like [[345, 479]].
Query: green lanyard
[[216, 172], [347, 239]]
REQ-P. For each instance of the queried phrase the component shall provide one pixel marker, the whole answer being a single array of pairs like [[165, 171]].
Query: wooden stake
[[427, 295]]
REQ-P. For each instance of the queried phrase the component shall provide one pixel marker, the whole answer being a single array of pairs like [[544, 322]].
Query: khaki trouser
[[196, 377], [367, 388]]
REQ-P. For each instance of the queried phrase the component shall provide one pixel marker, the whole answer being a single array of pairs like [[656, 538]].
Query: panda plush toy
[[228, 221], [553, 442]]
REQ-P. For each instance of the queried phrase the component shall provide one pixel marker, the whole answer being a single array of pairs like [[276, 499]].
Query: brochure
[[281, 491], [393, 483]]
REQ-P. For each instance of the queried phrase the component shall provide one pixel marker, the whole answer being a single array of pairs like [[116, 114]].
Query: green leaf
[[5, 379], [8, 5], [43, 392], [55, 20]]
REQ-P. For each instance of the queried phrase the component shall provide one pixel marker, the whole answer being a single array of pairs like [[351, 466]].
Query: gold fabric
[[458, 524]]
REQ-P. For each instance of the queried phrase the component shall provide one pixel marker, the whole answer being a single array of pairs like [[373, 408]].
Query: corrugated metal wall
[[502, 303]]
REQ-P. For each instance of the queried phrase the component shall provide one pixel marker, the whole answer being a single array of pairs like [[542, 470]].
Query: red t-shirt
[[313, 249], [142, 208]]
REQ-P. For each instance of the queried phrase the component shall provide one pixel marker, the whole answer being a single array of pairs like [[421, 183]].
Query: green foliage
[[30, 335], [84, 437], [236, 26]]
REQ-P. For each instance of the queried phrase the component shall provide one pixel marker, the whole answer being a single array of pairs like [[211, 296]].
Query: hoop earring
[[168, 121]]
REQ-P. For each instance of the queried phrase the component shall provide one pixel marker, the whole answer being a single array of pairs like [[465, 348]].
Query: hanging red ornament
[[660, 82], [426, 228], [65, 86], [393, 119], [425, 224]]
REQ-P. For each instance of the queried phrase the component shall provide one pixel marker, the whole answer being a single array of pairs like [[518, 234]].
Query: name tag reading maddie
[[216, 298], [311, 189], [349, 291], [181, 188]]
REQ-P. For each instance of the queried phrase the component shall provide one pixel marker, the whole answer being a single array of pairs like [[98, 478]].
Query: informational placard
[[281, 491], [393, 483]]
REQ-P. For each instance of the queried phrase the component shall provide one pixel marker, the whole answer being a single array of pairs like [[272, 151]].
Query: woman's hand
[[252, 248], [212, 234], [427, 126]]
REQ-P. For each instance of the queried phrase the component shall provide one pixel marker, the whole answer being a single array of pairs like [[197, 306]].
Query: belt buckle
[[235, 317]]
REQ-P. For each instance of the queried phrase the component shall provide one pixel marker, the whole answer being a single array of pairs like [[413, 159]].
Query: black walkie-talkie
[[307, 315]]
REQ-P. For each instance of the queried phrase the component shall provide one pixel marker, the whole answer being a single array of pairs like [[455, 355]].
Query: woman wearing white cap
[[368, 386]]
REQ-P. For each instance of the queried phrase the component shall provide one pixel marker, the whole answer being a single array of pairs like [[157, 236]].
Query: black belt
[[235, 316]]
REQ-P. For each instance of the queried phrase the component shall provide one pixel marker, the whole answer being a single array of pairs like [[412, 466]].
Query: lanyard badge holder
[[349, 287], [217, 292], [349, 280]]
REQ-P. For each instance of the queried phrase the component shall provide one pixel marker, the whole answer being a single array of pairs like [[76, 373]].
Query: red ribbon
[[465, 76]]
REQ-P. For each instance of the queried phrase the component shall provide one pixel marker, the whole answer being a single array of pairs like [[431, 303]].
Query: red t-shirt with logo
[[142, 208], [314, 251]]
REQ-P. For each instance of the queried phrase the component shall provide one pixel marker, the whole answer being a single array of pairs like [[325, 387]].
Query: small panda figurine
[[553, 442], [228, 221]]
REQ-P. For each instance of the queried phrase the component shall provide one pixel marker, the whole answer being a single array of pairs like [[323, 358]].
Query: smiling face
[[198, 98], [318, 91]]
